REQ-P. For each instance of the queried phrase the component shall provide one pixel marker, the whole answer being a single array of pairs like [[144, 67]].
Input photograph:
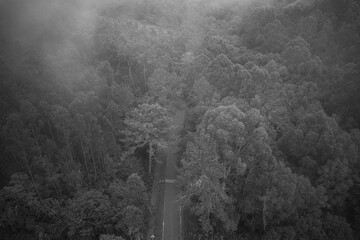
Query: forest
[[269, 147]]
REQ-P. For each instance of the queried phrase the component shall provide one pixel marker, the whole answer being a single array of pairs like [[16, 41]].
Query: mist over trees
[[270, 147]]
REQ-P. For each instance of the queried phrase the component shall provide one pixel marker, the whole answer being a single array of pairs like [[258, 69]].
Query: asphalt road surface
[[171, 220]]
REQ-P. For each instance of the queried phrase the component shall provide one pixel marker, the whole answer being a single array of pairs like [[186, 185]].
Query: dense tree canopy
[[270, 145]]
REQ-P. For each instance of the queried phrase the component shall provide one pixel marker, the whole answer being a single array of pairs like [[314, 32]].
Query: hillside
[[269, 146]]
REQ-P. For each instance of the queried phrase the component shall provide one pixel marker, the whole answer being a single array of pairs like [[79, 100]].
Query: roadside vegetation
[[269, 149]]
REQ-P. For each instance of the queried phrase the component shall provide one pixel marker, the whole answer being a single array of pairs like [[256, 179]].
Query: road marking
[[163, 228], [167, 181], [180, 223], [163, 232]]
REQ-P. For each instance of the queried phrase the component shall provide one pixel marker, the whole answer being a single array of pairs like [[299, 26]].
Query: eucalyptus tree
[[148, 124], [201, 176]]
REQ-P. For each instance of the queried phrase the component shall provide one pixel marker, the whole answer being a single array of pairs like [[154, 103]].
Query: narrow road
[[171, 220]]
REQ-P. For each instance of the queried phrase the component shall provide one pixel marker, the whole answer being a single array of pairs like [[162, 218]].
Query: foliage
[[148, 124], [165, 86], [270, 145]]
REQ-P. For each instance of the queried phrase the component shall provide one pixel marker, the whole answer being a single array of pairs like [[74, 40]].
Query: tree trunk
[[51, 133], [264, 211], [246, 179], [226, 174], [55, 188], [144, 71], [85, 161], [150, 155], [36, 140], [28, 168], [93, 160], [131, 77], [32, 177], [69, 149]]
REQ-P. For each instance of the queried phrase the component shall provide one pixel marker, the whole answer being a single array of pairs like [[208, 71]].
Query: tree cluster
[[270, 147]]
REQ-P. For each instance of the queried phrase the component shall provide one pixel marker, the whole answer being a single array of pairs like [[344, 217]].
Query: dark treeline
[[271, 142]]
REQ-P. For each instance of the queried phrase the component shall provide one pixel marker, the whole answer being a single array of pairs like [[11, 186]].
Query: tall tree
[[202, 175], [148, 124], [240, 136]]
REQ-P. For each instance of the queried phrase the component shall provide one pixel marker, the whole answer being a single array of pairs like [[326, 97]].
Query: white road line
[[163, 232], [167, 181], [163, 228], [180, 222]]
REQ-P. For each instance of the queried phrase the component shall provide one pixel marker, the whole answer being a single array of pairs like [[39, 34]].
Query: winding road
[[171, 217]]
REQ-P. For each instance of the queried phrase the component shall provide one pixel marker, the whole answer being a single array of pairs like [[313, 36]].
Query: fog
[[55, 30], [30, 22], [43, 25], [240, 107]]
